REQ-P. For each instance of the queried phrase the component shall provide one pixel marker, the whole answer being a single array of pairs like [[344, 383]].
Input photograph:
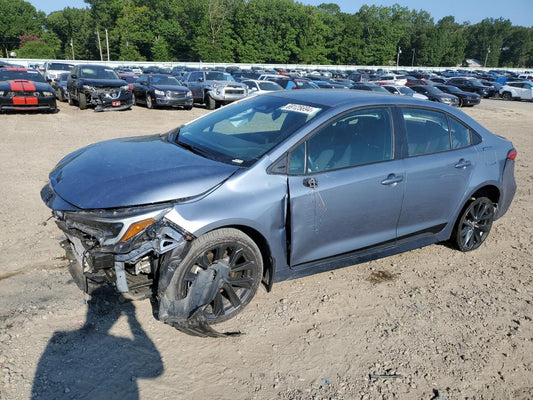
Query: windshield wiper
[[194, 149]]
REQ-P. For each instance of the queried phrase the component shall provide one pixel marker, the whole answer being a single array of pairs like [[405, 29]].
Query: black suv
[[468, 84], [98, 86]]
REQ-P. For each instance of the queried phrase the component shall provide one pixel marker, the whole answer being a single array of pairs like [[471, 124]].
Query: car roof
[[345, 98]]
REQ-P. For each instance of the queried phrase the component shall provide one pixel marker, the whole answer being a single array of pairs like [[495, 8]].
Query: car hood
[[103, 82], [133, 171], [172, 88], [226, 83]]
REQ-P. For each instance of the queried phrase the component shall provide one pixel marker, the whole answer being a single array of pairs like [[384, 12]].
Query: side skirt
[[358, 256]]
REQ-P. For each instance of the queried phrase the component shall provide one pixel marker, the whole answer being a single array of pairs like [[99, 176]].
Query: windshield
[[241, 133], [218, 76], [451, 89], [405, 90], [267, 85], [29, 75], [165, 80], [98, 73], [59, 67]]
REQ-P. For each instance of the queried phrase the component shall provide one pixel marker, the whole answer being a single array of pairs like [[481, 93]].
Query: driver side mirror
[[74, 76]]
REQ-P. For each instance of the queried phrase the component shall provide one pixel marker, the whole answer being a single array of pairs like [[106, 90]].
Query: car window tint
[[461, 136], [359, 138], [427, 131]]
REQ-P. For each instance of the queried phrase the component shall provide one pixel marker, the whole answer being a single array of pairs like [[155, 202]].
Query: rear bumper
[[508, 189]]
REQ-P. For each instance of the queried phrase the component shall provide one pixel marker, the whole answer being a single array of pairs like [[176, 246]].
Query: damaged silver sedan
[[271, 188]]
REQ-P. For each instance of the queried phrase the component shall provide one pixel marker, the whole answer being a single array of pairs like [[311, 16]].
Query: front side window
[[362, 137]]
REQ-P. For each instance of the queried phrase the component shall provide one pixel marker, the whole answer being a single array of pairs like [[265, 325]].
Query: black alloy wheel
[[232, 249], [474, 224]]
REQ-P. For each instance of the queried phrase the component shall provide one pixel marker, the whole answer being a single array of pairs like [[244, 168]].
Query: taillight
[[512, 154]]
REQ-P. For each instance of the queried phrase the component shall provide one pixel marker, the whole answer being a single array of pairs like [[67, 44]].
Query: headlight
[[48, 94], [88, 87], [446, 100], [159, 92], [125, 87], [2, 93], [189, 94], [114, 227]]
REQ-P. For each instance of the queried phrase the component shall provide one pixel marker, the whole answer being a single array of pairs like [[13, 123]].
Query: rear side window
[[430, 132], [427, 131]]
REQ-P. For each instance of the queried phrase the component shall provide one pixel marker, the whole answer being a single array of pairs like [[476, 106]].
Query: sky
[[519, 12]]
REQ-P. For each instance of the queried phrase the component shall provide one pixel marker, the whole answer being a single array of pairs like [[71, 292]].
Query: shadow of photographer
[[94, 364]]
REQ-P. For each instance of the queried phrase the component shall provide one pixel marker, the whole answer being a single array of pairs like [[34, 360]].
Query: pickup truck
[[517, 91], [214, 88]]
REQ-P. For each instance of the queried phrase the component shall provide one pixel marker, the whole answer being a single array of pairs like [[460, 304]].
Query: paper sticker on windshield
[[300, 108]]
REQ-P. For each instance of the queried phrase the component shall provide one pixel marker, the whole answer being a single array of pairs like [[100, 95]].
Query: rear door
[[438, 168], [345, 187]]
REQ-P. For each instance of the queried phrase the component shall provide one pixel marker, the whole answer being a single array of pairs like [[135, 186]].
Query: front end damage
[[108, 98], [127, 248]]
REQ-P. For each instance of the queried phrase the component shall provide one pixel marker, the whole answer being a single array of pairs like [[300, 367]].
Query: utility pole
[[72, 47], [99, 45], [413, 59], [398, 56], [486, 57], [107, 43]]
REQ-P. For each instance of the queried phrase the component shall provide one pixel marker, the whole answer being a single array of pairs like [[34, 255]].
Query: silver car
[[275, 187]]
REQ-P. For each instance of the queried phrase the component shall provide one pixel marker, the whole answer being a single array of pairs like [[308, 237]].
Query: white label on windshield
[[300, 108]]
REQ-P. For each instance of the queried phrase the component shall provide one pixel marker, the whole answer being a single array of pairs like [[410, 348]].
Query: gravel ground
[[432, 323]]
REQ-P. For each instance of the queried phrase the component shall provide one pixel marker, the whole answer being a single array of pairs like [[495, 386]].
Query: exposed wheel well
[[491, 192]]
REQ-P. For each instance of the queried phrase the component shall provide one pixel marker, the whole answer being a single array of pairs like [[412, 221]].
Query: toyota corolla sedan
[[271, 188]]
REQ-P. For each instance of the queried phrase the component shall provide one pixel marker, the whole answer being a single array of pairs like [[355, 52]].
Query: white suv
[[517, 90]]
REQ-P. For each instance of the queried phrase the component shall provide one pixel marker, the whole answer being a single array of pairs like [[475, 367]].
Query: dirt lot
[[433, 323]]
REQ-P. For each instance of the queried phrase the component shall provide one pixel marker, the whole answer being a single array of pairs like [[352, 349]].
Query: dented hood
[[133, 171]]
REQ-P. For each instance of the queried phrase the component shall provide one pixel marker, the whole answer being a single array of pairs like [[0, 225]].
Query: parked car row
[[103, 88]]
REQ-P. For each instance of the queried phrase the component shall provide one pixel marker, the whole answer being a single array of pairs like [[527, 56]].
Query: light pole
[[413, 59], [398, 56]]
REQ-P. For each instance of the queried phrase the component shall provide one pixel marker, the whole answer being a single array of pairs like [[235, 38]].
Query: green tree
[[17, 18], [36, 49]]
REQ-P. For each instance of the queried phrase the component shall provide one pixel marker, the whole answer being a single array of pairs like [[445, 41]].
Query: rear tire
[[507, 96], [474, 223]]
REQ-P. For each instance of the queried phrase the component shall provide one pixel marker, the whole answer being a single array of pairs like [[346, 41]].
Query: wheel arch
[[263, 245], [490, 191]]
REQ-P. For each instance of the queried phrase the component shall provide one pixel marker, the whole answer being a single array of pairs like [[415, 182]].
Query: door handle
[[392, 179], [311, 182], [463, 163]]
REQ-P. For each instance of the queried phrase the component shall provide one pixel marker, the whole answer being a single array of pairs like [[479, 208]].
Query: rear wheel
[[234, 250], [474, 224], [506, 96]]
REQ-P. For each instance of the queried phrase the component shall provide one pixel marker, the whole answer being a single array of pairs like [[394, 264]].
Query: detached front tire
[[474, 224], [231, 248]]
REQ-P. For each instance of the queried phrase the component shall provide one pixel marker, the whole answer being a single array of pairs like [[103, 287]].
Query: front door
[[345, 187]]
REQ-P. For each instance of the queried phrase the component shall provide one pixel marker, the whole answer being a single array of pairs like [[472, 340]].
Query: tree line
[[258, 31]]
